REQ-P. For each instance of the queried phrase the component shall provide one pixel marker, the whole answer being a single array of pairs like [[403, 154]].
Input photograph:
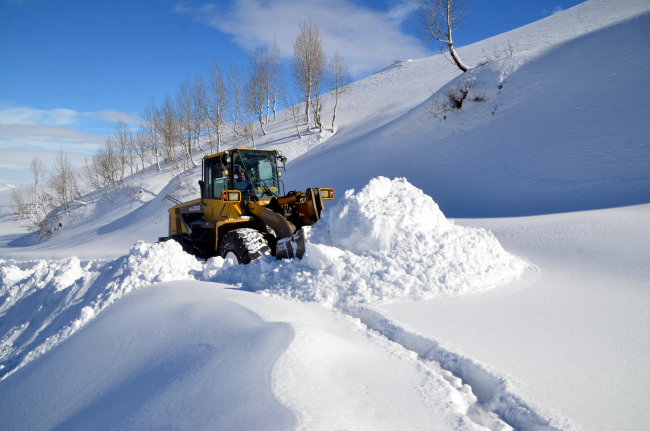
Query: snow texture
[[44, 302], [402, 246], [387, 241], [560, 126]]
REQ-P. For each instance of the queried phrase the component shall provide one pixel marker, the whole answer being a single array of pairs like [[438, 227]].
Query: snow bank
[[44, 302], [389, 240]]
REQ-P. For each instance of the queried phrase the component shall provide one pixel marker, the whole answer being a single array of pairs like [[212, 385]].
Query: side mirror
[[218, 172]]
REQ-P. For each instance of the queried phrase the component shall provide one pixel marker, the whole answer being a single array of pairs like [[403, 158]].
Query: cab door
[[216, 180]]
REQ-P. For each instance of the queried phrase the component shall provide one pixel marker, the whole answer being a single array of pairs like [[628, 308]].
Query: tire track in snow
[[497, 406]]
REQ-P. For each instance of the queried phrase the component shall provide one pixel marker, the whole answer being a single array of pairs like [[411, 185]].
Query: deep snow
[[470, 336]]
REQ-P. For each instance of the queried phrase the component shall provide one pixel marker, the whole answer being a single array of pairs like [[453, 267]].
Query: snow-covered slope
[[427, 322], [565, 128]]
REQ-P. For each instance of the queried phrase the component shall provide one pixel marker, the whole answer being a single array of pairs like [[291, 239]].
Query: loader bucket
[[293, 246]]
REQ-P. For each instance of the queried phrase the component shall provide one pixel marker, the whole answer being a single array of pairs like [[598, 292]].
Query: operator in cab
[[243, 185]]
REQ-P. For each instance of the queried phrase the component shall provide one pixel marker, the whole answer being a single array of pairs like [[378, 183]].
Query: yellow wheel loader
[[241, 213]]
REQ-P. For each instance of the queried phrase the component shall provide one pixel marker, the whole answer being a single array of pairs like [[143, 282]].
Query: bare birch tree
[[437, 19], [277, 78], [339, 80], [132, 155], [122, 138], [199, 110], [142, 146], [168, 131], [246, 131], [90, 173], [308, 62], [317, 102], [150, 118], [218, 103], [184, 119], [256, 85], [295, 108], [236, 81], [36, 167], [63, 179]]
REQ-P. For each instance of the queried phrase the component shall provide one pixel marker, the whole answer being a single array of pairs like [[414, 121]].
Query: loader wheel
[[243, 246], [188, 246]]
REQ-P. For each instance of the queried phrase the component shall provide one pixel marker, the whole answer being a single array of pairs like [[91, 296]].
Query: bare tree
[[339, 80], [36, 167], [184, 119], [317, 104], [308, 62], [63, 179], [235, 88], [199, 109], [256, 85], [90, 173], [246, 130], [277, 79], [168, 131], [122, 139], [150, 118], [437, 19], [217, 103], [295, 108], [142, 146], [132, 155]]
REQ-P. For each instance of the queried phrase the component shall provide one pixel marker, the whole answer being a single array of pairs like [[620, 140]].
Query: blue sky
[[68, 69]]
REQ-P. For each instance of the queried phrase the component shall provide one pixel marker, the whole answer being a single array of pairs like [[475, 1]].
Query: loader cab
[[225, 171]]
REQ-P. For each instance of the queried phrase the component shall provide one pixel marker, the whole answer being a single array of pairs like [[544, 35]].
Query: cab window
[[215, 179]]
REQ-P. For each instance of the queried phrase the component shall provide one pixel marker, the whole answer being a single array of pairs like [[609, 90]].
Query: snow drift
[[44, 302], [387, 241]]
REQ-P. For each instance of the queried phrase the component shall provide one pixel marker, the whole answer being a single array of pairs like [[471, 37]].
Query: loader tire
[[243, 245], [188, 246]]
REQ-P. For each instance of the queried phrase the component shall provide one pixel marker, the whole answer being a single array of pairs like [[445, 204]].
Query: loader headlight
[[231, 196], [327, 194]]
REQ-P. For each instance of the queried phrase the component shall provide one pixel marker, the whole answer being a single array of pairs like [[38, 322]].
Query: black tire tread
[[247, 244]]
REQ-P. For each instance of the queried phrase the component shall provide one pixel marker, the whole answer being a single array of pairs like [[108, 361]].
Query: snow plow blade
[[293, 246]]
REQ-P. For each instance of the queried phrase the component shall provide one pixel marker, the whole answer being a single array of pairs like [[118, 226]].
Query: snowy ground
[[392, 321]]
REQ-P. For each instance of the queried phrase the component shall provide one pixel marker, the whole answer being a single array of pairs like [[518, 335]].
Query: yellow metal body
[[219, 215], [226, 214]]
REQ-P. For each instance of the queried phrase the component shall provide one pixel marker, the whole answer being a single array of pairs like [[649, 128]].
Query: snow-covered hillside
[[398, 317], [563, 128]]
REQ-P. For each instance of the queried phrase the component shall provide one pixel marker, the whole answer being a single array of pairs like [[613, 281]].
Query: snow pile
[[385, 215], [44, 302], [389, 240]]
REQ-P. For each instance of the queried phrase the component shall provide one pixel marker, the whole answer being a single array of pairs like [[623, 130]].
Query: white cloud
[[113, 115], [27, 132], [30, 116], [47, 138], [25, 116], [369, 40], [19, 143], [553, 11]]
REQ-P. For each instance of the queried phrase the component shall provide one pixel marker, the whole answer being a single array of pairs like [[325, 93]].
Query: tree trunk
[[456, 58], [334, 116], [262, 124]]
